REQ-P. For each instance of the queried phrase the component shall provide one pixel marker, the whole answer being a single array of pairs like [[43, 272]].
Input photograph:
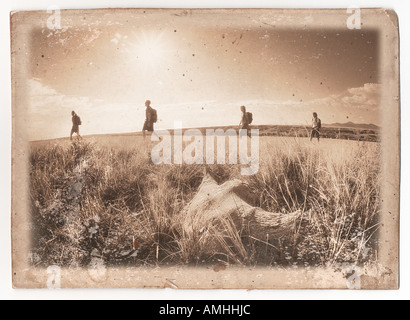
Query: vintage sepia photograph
[[218, 148]]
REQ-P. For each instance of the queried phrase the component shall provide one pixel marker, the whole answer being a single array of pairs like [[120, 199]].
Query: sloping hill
[[368, 126]]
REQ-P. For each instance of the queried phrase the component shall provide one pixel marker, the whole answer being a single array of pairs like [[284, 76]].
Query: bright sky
[[197, 73]]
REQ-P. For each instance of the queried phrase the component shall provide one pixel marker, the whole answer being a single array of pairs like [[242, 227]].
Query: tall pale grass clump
[[87, 199], [338, 195]]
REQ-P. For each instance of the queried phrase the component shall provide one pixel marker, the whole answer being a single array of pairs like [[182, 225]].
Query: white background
[[6, 291]]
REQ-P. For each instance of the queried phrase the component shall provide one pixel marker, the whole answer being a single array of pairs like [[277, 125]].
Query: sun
[[149, 50]]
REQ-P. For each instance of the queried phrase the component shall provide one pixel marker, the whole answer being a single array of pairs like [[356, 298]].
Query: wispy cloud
[[49, 113], [45, 100], [366, 97]]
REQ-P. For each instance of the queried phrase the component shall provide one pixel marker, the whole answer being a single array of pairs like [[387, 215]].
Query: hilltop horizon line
[[349, 124]]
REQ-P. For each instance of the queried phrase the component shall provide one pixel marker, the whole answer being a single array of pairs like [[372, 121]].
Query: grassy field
[[102, 197]]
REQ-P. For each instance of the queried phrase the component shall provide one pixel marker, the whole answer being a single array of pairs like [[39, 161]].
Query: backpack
[[154, 116], [78, 120], [249, 115]]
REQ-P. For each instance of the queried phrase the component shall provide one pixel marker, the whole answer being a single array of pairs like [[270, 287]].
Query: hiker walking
[[150, 118], [316, 126], [76, 125], [246, 121]]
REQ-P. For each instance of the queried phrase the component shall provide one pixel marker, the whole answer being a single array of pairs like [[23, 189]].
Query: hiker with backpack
[[246, 121], [76, 125], [151, 117], [316, 126]]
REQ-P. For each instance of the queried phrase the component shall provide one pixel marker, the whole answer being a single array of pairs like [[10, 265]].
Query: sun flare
[[150, 50]]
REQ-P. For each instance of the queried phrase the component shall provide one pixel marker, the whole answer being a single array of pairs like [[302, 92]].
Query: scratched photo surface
[[205, 148]]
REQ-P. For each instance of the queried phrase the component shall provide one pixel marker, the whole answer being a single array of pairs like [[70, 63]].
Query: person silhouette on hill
[[150, 118], [245, 121], [76, 125], [316, 126]]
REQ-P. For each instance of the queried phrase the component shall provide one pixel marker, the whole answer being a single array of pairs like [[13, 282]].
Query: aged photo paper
[[205, 149]]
